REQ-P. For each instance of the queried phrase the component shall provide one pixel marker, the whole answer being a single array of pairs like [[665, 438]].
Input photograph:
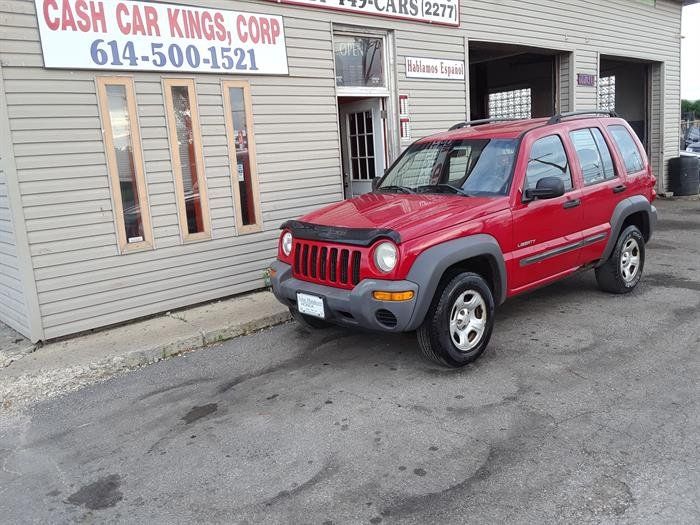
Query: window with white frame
[[513, 104], [359, 61], [606, 93]]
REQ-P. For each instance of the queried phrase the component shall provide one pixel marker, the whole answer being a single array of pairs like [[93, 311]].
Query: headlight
[[385, 256], [287, 243]]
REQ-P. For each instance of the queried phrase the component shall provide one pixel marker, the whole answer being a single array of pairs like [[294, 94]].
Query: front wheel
[[621, 273], [458, 325]]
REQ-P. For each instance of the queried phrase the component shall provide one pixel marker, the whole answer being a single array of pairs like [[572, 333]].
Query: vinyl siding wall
[[434, 105], [589, 28], [657, 104], [13, 305], [566, 81], [82, 281]]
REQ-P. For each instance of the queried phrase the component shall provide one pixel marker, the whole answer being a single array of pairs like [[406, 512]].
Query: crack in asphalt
[[324, 473]]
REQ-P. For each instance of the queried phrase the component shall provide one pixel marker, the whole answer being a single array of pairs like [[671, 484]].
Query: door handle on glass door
[[572, 204]]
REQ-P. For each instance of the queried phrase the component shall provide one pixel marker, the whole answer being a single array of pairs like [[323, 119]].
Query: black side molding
[[353, 236]]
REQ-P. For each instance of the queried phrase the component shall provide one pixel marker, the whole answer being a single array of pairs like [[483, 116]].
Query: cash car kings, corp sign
[[148, 36], [127, 35]]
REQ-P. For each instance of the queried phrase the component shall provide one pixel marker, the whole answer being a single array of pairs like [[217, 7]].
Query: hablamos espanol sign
[[434, 68]]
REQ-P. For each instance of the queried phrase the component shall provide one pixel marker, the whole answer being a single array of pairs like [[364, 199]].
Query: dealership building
[[150, 151]]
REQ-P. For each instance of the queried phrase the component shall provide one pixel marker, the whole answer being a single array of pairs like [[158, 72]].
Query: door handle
[[619, 189], [572, 204]]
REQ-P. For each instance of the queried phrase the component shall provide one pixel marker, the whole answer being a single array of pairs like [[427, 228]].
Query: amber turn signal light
[[393, 296]]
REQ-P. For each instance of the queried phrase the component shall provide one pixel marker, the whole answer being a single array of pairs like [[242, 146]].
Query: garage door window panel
[[606, 93], [187, 161], [593, 155], [125, 162], [241, 145], [513, 104], [548, 159]]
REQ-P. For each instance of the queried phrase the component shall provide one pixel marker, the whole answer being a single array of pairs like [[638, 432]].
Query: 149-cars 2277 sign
[[444, 12], [128, 35]]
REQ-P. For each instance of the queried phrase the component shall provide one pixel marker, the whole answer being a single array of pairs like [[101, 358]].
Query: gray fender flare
[[430, 265], [624, 209]]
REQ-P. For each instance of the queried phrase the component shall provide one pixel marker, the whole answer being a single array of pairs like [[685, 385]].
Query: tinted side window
[[548, 159], [593, 155], [628, 149]]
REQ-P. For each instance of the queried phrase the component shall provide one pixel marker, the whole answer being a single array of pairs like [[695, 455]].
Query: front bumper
[[353, 308]]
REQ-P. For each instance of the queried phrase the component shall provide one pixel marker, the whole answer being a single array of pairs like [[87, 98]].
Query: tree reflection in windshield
[[470, 166]]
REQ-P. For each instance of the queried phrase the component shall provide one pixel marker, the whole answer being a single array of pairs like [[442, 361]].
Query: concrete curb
[[229, 332], [69, 365], [141, 357]]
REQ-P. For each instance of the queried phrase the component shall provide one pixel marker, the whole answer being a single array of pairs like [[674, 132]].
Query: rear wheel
[[307, 321], [458, 325], [623, 270]]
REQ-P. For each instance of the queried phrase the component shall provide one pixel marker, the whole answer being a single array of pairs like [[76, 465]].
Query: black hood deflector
[[353, 236]]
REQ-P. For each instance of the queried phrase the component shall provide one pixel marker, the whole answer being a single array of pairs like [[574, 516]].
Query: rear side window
[[548, 159], [593, 155], [628, 149]]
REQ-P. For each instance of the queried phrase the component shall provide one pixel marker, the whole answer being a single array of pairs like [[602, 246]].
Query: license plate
[[310, 305]]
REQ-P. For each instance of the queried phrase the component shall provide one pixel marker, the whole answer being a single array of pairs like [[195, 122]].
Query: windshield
[[468, 166]]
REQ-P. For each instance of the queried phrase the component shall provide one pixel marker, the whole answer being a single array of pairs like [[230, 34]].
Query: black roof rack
[[460, 125], [556, 119]]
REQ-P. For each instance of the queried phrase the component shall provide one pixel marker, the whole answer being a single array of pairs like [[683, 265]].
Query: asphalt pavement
[[585, 408]]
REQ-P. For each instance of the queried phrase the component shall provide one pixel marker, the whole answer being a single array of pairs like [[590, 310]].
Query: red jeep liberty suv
[[467, 218]]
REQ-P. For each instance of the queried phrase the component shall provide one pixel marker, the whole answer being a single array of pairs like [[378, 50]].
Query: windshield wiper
[[402, 189], [453, 189]]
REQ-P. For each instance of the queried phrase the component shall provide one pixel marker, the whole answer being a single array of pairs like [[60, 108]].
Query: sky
[[690, 53]]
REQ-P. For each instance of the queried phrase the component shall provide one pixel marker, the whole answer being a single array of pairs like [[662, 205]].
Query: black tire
[[435, 337], [307, 321], [612, 276]]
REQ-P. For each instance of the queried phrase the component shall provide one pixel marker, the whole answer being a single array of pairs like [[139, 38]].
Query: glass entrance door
[[362, 141]]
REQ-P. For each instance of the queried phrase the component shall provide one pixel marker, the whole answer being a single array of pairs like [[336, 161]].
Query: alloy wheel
[[629, 260], [468, 320]]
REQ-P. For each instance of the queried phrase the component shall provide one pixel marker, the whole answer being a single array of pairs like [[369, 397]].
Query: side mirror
[[375, 182], [547, 188]]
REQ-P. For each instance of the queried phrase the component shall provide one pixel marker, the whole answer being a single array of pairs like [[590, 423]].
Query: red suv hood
[[409, 215]]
